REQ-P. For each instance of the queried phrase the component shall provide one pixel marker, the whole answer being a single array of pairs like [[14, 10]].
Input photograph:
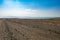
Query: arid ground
[[30, 29]]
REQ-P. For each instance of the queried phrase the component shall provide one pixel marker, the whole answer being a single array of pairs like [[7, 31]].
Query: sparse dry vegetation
[[30, 29]]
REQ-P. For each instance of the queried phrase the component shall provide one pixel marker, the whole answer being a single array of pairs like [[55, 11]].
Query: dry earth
[[29, 29]]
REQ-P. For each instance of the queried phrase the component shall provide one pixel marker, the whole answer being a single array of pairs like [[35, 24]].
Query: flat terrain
[[30, 29]]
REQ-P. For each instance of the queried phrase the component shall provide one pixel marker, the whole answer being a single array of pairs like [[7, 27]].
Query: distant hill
[[26, 17]]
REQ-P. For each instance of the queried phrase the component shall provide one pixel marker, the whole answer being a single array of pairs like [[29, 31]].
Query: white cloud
[[29, 12], [16, 9]]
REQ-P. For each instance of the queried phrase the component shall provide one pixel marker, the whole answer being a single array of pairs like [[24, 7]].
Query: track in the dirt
[[19, 31], [35, 26]]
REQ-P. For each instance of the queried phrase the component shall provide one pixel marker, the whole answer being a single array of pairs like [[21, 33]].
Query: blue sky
[[41, 3], [30, 8]]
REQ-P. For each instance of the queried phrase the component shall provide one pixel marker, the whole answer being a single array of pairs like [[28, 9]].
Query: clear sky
[[30, 8]]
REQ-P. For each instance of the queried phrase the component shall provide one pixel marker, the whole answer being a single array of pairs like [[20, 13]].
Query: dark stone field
[[30, 29]]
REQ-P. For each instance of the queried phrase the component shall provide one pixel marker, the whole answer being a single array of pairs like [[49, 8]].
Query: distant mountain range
[[25, 17]]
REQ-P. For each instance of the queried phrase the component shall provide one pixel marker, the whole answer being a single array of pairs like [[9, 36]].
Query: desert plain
[[29, 29]]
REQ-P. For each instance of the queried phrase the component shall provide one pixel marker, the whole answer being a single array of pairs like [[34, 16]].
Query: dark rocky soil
[[29, 29]]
